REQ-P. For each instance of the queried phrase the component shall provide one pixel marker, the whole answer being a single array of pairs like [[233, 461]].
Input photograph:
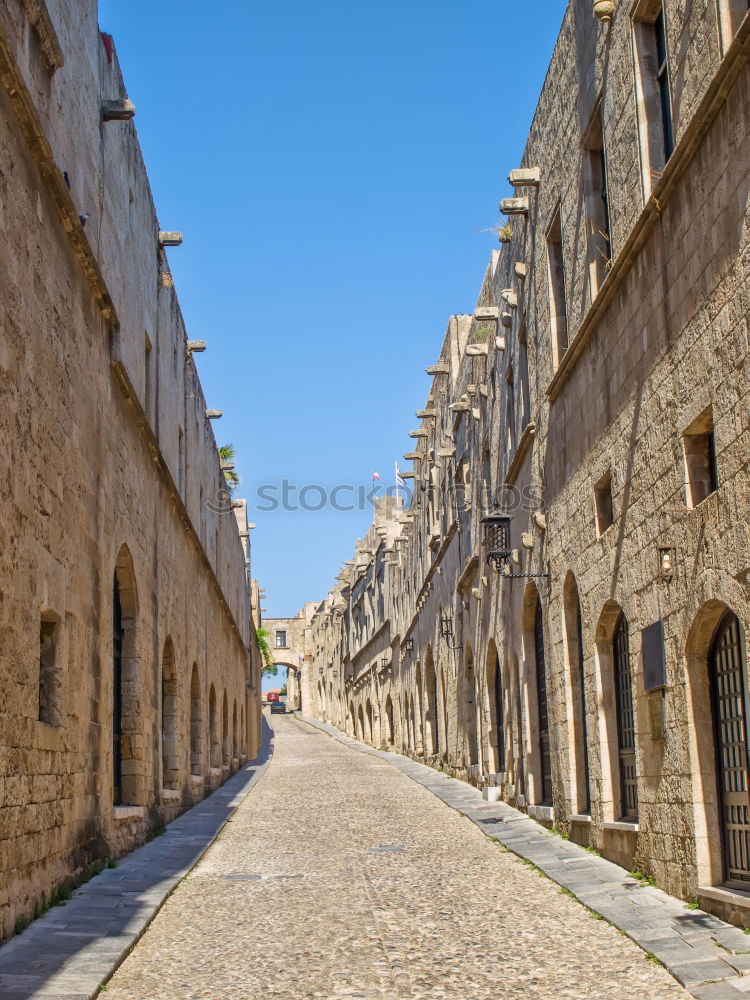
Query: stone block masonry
[[129, 678]]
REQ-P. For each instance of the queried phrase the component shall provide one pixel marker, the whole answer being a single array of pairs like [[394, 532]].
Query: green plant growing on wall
[[261, 641], [504, 233], [227, 454]]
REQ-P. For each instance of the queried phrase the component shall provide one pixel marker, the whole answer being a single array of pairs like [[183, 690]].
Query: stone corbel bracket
[[514, 206], [525, 177], [119, 110], [170, 239]]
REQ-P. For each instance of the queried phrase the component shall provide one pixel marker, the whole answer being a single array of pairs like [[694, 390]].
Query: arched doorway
[[545, 765], [578, 708], [225, 756], [470, 709], [726, 664], [196, 722], [169, 769], [417, 714], [128, 782], [625, 714], [391, 732], [214, 744], [431, 705], [497, 713]]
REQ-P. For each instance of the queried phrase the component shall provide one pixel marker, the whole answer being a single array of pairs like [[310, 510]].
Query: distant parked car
[[272, 696], [277, 706]]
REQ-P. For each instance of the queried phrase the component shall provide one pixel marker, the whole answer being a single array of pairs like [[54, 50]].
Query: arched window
[[196, 722], [169, 765], [545, 764], [625, 716], [235, 740]]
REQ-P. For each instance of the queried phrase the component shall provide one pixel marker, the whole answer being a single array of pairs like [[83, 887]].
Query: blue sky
[[334, 167]]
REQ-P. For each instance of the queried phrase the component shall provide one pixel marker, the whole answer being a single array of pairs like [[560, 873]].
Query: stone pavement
[[340, 878], [70, 951], [708, 956]]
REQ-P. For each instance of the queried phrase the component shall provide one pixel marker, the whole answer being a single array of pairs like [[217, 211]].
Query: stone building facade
[[129, 678], [560, 614], [289, 642]]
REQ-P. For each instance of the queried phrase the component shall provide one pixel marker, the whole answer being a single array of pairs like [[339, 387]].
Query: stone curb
[[707, 956], [70, 952]]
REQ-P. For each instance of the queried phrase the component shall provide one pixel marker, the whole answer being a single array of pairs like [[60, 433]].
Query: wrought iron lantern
[[497, 540], [446, 629], [446, 626], [409, 646]]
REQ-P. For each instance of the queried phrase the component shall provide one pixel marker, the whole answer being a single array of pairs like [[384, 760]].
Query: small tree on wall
[[261, 640], [227, 454]]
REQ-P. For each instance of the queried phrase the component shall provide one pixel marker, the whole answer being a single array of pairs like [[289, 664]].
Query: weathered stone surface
[[110, 469]]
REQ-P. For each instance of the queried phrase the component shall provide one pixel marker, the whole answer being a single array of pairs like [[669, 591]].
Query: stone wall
[[579, 399], [111, 483]]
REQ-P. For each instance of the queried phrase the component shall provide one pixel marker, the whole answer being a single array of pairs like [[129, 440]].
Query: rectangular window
[[281, 640], [605, 512], [701, 470], [598, 230], [653, 90], [557, 302], [50, 687], [662, 76]]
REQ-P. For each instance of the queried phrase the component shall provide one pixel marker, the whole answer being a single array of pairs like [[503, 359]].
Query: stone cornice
[[731, 66]]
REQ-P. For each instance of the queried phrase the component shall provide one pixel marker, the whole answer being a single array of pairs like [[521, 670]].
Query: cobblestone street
[[339, 877]]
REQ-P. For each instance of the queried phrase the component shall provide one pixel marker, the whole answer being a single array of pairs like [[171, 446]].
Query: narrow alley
[[339, 877]]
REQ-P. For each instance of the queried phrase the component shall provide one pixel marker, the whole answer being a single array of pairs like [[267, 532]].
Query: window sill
[[123, 813], [197, 779], [170, 795], [545, 813], [721, 894], [622, 826], [580, 818]]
